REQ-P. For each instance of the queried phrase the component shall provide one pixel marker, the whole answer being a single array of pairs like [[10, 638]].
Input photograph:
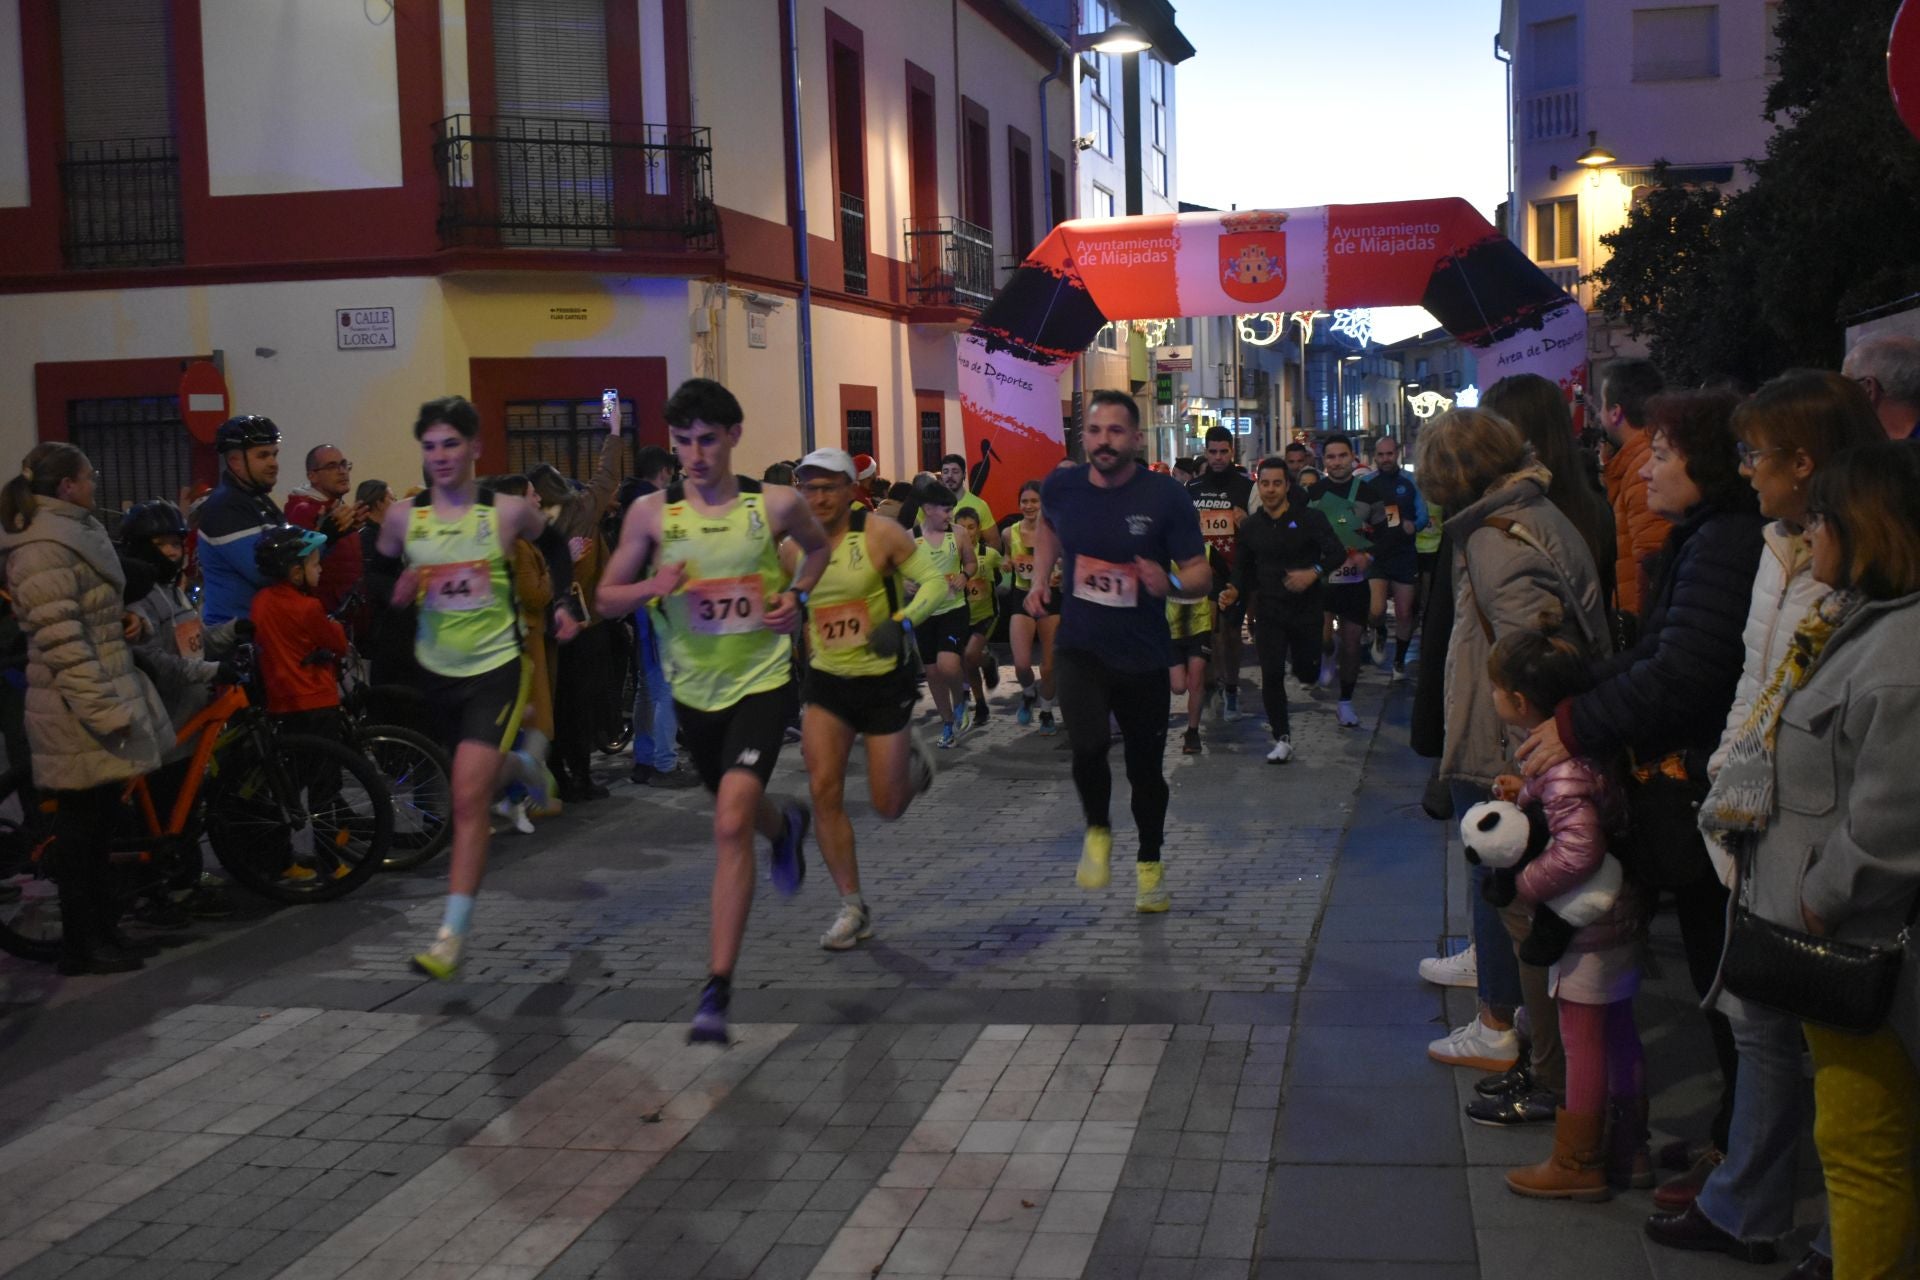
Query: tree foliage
[[1765, 279]]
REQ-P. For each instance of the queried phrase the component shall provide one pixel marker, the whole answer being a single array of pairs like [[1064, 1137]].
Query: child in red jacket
[[291, 628]]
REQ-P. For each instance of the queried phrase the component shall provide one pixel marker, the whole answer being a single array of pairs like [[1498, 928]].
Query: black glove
[[888, 638], [1500, 887], [229, 670]]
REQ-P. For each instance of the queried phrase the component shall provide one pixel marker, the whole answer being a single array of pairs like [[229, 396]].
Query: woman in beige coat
[[93, 721]]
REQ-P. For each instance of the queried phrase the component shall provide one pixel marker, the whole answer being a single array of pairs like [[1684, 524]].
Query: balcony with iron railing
[[122, 203], [949, 263], [1549, 115], [547, 183], [853, 242]]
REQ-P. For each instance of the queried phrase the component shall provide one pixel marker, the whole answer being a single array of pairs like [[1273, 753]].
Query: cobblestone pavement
[[1013, 1080]]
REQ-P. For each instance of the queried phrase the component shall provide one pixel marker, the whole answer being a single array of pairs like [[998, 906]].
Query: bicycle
[[293, 817]]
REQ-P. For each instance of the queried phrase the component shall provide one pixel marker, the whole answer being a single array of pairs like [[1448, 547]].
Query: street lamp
[[1595, 155], [1121, 37]]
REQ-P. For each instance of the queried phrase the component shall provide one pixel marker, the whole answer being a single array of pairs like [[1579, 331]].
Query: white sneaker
[[853, 924], [1282, 751], [441, 961], [1479, 1046], [1461, 969], [1347, 718]]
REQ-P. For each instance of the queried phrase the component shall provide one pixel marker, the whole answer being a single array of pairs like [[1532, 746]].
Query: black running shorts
[[942, 633], [872, 706], [485, 708], [747, 735]]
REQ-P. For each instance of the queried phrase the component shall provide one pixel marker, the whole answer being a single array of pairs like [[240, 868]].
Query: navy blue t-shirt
[[1103, 608]]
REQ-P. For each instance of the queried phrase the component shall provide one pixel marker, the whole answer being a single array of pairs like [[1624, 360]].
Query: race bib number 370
[[726, 606], [458, 588], [1116, 586]]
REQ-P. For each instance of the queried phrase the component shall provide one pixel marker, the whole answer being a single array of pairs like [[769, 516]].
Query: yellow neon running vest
[[718, 649], [1189, 617], [469, 624], [851, 598], [980, 587]]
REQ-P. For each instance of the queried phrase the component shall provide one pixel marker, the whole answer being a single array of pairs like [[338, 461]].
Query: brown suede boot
[[1575, 1171], [1629, 1162]]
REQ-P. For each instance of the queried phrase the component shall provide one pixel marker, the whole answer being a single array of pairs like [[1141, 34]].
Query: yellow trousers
[[1866, 1092]]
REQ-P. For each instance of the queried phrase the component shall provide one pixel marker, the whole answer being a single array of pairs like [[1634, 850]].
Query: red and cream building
[[363, 206]]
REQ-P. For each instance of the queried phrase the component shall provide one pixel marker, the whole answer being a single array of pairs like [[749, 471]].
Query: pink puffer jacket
[[1582, 805]]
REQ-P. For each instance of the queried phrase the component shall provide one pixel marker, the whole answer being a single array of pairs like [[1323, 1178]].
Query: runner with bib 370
[[724, 611], [450, 551], [1118, 526], [860, 682]]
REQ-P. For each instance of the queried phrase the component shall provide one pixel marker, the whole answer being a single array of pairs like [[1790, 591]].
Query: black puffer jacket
[[1671, 691]]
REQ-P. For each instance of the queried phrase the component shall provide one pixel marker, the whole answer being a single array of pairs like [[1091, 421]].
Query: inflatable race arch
[[1438, 254]]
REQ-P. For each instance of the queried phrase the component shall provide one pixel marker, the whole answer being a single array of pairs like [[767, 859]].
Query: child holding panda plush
[[1573, 806]]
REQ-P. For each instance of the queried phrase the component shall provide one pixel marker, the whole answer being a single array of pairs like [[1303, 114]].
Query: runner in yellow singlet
[[725, 608], [449, 551], [1023, 630], [943, 637], [1190, 619], [860, 682], [982, 670]]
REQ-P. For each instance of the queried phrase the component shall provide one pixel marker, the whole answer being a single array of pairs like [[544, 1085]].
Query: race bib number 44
[[1116, 586], [726, 606], [841, 626], [457, 588]]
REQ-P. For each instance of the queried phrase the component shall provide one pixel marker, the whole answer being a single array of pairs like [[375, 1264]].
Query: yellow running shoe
[[441, 961], [1094, 852], [296, 872], [1151, 895]]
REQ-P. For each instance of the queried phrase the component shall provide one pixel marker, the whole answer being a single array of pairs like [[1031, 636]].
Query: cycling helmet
[[147, 520], [282, 546], [245, 431]]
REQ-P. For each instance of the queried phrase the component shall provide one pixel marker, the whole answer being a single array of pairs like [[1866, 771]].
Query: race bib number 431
[[1116, 586], [726, 606]]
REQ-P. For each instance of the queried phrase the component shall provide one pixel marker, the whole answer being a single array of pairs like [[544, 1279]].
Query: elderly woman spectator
[[92, 720], [1789, 431], [1514, 554], [1664, 701], [1820, 781]]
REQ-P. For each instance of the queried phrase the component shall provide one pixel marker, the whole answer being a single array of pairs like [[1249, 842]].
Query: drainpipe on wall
[[802, 266], [1046, 145]]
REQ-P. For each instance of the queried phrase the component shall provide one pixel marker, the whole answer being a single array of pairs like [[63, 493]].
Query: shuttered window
[[566, 434], [550, 90], [138, 445], [120, 174]]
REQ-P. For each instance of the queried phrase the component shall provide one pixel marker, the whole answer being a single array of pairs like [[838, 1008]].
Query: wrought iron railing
[[1567, 278], [537, 182], [122, 203], [853, 241], [949, 262]]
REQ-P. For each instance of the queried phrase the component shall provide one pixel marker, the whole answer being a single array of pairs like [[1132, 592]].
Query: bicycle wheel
[[29, 903], [420, 776], [309, 824]]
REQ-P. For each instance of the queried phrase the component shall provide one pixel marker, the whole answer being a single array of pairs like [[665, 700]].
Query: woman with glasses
[[1788, 431], [1819, 785]]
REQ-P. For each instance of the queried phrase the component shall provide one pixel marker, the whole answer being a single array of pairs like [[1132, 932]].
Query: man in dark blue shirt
[[1126, 537], [1395, 567]]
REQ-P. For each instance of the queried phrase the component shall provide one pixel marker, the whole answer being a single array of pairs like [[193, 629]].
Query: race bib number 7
[[1116, 586], [726, 606], [457, 588]]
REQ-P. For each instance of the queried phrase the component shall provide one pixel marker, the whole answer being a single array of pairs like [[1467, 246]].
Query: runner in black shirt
[[1221, 495], [1285, 553], [1395, 568], [1118, 527]]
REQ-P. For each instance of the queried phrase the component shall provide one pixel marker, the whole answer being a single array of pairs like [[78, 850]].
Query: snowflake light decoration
[[1356, 324]]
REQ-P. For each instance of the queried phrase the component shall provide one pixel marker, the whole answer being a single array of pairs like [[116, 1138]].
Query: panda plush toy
[[1503, 837]]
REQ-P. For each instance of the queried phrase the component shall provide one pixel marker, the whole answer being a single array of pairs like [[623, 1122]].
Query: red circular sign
[[1903, 65], [203, 399]]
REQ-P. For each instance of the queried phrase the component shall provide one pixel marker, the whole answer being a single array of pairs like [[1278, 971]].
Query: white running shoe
[[1479, 1046], [441, 961], [1347, 718], [853, 924], [1282, 750], [1461, 969]]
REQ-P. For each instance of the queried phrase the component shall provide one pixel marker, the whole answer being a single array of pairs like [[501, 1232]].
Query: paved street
[[1014, 1079]]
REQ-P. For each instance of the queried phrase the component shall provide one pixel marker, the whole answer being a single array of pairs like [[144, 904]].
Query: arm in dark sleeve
[[1246, 556], [553, 547], [1184, 542], [1682, 677]]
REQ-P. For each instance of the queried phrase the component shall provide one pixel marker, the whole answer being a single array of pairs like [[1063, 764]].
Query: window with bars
[[566, 434], [139, 446], [860, 432], [932, 440]]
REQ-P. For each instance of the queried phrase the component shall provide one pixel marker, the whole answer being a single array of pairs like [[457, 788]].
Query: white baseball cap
[[838, 461]]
